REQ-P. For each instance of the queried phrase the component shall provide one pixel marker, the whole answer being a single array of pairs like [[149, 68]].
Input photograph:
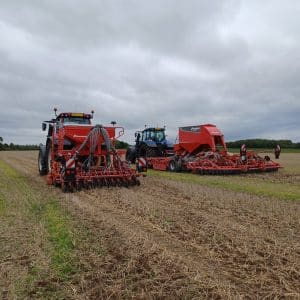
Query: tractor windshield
[[154, 134], [76, 120], [159, 136]]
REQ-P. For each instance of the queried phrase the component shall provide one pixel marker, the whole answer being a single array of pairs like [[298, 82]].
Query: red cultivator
[[78, 155], [202, 149]]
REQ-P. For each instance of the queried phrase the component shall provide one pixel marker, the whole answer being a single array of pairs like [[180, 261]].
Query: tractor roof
[[154, 129], [74, 115]]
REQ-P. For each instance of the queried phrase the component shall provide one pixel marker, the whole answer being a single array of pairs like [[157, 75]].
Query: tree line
[[263, 143], [12, 146], [250, 143]]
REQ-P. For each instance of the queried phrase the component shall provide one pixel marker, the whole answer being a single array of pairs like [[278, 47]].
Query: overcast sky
[[232, 63]]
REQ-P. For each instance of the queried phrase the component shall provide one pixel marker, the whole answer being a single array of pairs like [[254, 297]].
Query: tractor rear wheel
[[42, 162], [146, 151], [48, 157]]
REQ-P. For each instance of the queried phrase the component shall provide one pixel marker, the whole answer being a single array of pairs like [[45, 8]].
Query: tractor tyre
[[172, 165], [175, 165], [179, 165], [131, 155], [42, 161], [146, 151], [48, 157]]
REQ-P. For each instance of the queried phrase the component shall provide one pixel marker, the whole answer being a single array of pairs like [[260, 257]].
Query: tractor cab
[[74, 119], [154, 134], [67, 119]]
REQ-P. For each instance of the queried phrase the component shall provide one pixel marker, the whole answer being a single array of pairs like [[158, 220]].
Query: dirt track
[[167, 238]]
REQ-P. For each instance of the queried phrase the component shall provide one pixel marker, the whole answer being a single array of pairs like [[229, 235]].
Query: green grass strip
[[255, 186], [2, 205], [58, 225], [47, 211], [61, 237]]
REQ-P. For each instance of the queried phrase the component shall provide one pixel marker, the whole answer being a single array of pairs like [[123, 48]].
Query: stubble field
[[177, 236]]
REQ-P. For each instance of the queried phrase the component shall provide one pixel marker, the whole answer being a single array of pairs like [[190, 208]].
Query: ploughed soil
[[178, 240]]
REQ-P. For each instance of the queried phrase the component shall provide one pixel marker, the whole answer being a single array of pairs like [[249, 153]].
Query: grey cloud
[[233, 63]]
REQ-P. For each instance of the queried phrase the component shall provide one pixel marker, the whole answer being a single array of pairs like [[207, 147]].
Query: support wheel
[[172, 165], [175, 165]]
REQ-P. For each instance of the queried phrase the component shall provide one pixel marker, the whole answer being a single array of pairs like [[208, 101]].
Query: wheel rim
[[172, 165]]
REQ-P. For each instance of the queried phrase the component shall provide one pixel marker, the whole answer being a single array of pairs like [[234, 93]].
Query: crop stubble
[[168, 238]]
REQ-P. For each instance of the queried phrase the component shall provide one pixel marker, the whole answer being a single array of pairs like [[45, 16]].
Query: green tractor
[[151, 142]]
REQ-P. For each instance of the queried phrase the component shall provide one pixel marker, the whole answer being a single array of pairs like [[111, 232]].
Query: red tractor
[[202, 149], [79, 155]]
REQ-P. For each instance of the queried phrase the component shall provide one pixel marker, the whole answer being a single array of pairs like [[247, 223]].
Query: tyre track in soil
[[137, 228], [218, 252], [133, 230], [207, 250]]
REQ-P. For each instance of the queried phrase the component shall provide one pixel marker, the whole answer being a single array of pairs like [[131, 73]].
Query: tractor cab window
[[145, 135], [50, 130], [58, 123], [151, 135], [76, 120], [154, 135], [160, 136]]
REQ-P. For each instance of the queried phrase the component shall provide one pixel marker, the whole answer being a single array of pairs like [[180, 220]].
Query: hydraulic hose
[[93, 137]]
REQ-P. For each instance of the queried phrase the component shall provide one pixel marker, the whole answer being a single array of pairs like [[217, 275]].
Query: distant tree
[[121, 145], [1, 139], [263, 143]]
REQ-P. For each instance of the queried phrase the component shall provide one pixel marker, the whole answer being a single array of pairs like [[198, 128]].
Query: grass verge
[[38, 242], [60, 236], [253, 186], [266, 150]]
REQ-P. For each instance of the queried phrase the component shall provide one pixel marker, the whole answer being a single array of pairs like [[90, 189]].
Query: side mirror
[[135, 134], [44, 126]]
